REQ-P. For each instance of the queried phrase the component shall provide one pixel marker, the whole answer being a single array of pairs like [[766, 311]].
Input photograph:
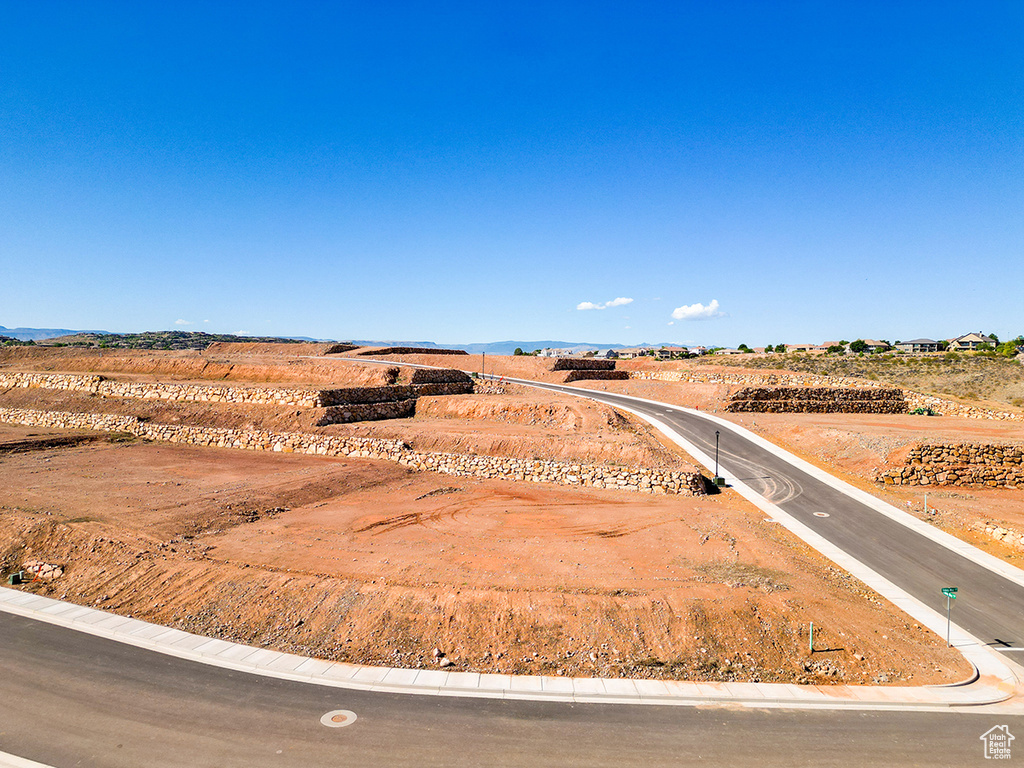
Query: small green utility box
[[720, 482], [15, 578]]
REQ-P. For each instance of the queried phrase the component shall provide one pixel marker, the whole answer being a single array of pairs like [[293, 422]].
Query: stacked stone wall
[[817, 400], [448, 383], [465, 465], [210, 393], [914, 400], [440, 376], [753, 379], [346, 414], [584, 375], [583, 364], [944, 407], [413, 351], [68, 382], [967, 464]]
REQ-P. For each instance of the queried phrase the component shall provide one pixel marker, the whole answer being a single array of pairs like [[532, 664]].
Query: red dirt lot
[[371, 562], [855, 446]]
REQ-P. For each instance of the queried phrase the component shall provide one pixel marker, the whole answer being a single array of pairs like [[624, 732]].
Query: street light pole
[[716, 455]]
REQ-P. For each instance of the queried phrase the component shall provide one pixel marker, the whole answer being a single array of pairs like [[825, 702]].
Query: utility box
[[15, 578], [720, 482]]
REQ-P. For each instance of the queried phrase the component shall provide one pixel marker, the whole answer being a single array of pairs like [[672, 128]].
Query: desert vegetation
[[986, 376]]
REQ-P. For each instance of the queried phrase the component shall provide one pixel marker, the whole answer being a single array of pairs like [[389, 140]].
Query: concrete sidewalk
[[993, 684]]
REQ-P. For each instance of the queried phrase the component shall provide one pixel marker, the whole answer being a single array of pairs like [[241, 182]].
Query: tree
[[744, 348], [943, 346], [836, 349], [780, 347], [769, 348], [994, 337], [518, 352], [858, 346]]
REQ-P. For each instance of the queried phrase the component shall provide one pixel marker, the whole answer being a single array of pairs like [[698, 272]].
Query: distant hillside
[[36, 334], [158, 340], [509, 347]]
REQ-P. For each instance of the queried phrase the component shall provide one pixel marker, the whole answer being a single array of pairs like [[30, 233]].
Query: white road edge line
[[1000, 685], [986, 660]]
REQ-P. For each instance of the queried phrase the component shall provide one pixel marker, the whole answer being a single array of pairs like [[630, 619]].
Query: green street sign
[[949, 592]]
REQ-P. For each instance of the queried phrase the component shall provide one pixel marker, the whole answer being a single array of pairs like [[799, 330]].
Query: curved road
[[72, 699], [68, 698], [989, 605]]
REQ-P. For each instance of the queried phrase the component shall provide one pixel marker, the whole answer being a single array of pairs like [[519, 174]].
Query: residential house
[[628, 353], [670, 353], [917, 346], [970, 342]]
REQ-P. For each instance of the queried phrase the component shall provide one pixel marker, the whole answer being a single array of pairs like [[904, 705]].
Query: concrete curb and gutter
[[989, 665], [994, 680], [990, 687]]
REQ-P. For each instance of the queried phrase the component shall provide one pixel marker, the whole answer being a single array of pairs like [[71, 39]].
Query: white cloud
[[697, 311], [183, 322], [619, 302]]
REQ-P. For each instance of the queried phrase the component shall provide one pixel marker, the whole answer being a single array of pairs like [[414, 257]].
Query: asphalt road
[[71, 699], [988, 605]]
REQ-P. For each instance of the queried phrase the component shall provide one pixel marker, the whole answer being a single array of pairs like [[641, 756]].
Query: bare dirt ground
[[370, 562], [855, 446], [525, 424], [992, 379], [190, 366]]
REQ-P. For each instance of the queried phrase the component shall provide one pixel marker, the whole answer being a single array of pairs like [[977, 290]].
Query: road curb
[[987, 689]]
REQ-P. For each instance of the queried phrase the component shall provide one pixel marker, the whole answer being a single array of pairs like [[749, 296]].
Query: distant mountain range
[[491, 348], [36, 334]]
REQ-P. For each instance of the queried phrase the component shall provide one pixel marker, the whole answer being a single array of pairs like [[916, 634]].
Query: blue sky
[[466, 172]]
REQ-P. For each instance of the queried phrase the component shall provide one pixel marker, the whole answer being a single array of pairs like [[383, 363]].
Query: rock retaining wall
[[413, 351], [584, 375], [944, 407], [583, 364], [345, 414], [491, 467], [86, 383], [440, 376], [914, 400], [1008, 536], [753, 379], [817, 400], [970, 464], [444, 383]]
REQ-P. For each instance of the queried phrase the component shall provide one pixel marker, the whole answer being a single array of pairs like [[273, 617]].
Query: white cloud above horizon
[[619, 302], [697, 311], [183, 322]]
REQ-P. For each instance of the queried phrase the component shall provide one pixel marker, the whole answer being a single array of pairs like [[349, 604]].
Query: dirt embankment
[[507, 421], [197, 366], [855, 447], [369, 562]]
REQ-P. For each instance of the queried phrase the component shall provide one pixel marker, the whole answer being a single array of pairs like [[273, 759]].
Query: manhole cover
[[821, 514], [338, 718]]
